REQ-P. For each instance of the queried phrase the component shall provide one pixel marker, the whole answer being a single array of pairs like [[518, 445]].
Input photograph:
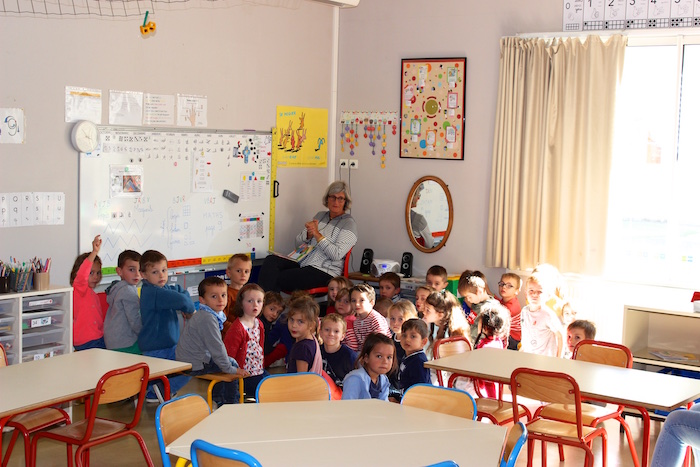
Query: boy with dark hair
[[123, 319], [414, 337], [273, 306], [390, 286], [201, 344], [160, 304], [436, 278]]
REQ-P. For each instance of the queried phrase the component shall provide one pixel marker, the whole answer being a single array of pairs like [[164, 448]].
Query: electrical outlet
[[354, 163], [343, 163]]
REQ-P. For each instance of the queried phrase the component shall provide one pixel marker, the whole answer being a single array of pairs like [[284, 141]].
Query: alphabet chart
[[32, 208]]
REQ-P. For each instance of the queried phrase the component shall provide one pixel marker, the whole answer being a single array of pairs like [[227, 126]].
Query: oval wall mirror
[[429, 214]]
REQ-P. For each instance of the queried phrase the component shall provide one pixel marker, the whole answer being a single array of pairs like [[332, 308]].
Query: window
[[654, 212]]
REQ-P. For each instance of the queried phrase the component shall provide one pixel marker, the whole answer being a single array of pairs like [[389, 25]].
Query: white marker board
[[161, 189]]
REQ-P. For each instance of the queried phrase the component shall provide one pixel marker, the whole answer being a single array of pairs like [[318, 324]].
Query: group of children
[[365, 346]]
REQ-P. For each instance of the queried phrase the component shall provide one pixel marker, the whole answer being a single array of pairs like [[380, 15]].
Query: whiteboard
[[162, 189]]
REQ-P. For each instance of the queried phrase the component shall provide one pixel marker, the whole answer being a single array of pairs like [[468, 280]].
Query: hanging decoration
[[373, 126]]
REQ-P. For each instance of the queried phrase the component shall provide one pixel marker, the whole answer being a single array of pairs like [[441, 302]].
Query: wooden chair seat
[[558, 429], [101, 429], [499, 412], [38, 419], [566, 413]]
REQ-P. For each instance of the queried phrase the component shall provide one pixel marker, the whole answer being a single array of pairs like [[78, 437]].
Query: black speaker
[[367, 257], [407, 264]]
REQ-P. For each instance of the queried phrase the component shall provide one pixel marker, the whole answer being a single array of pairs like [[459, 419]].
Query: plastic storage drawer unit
[[46, 335], [43, 351], [42, 302], [6, 323], [39, 319]]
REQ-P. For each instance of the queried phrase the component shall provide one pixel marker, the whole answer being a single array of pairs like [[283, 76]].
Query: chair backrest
[[438, 399], [451, 346], [346, 264], [293, 387], [205, 454], [447, 347], [546, 386], [117, 385], [3, 356], [175, 417], [606, 353], [514, 443]]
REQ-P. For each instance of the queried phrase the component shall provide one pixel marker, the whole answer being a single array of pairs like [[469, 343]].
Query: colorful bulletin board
[[432, 108], [162, 189], [303, 135]]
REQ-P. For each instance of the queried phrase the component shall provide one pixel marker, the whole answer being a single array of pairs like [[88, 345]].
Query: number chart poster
[[303, 133], [432, 108]]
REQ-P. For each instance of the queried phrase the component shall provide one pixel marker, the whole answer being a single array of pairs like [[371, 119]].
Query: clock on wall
[[85, 136]]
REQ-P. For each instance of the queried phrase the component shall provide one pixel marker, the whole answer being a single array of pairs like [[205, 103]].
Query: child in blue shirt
[[338, 358], [414, 337], [160, 304], [369, 380]]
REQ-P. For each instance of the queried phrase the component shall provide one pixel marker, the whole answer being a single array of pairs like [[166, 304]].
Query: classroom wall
[[374, 37], [245, 59]]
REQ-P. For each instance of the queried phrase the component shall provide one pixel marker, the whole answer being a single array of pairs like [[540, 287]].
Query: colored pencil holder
[[21, 281], [4, 284], [41, 281]]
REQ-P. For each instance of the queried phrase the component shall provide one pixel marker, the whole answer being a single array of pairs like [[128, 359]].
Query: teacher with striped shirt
[[331, 233]]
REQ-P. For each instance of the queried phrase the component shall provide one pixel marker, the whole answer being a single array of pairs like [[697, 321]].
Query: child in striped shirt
[[368, 320]]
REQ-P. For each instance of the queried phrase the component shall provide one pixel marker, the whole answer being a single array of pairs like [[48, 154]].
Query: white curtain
[[552, 152]]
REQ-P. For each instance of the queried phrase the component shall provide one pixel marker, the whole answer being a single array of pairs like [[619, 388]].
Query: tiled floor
[[126, 452]]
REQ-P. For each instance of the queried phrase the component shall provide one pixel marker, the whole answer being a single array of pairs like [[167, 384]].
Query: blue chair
[[175, 417], [206, 454], [438, 399], [444, 464], [293, 387], [514, 443]]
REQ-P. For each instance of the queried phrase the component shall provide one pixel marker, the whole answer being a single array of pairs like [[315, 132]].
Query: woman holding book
[[329, 236]]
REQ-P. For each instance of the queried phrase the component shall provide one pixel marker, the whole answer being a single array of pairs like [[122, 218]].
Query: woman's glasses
[[334, 198]]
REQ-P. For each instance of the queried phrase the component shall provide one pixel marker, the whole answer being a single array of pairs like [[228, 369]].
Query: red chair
[[30, 422], [447, 347], [324, 290], [557, 388], [498, 411], [605, 353], [115, 385]]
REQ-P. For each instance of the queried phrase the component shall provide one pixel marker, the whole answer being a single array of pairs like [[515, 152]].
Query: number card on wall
[[593, 15], [432, 108]]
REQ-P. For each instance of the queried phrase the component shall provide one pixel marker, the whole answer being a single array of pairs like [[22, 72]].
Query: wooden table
[[46, 382], [345, 433], [639, 389]]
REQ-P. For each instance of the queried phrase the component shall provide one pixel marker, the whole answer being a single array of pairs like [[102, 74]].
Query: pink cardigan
[[88, 316]]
